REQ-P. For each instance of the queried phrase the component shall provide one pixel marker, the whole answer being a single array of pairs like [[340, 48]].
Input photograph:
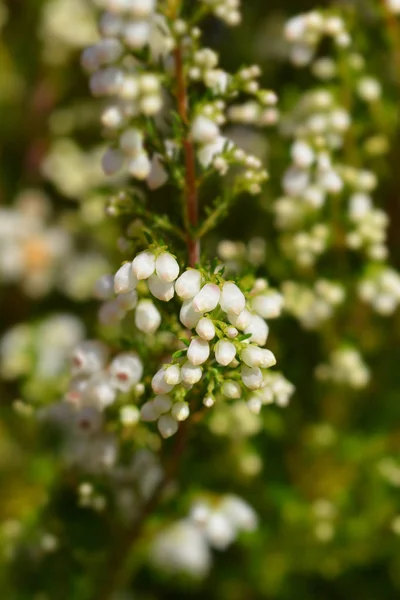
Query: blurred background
[[324, 473]]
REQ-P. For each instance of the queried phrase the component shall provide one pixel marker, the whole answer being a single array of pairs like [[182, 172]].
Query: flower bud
[[140, 166], [205, 328], [268, 359], [198, 351], [231, 332], [136, 34], [127, 301], [158, 383], [99, 390], [242, 320], [129, 415], [161, 289], [188, 284], [204, 130], [209, 401], [162, 403], [239, 513], [147, 317], [224, 352], [251, 377], [131, 142], [268, 306], [231, 389], [110, 25], [124, 279], [302, 154], [252, 356], [207, 299], [89, 356], [126, 371], [143, 265], [149, 412], [191, 374], [158, 175], [112, 161], [254, 404], [259, 330], [188, 316], [180, 411], [110, 313], [232, 299], [167, 426], [167, 267], [104, 288], [141, 9], [172, 375]]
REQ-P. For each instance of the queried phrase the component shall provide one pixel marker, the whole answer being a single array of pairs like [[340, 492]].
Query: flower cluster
[[39, 351], [305, 32], [31, 251], [96, 382], [229, 332], [345, 366], [185, 547], [369, 227], [312, 306], [381, 289]]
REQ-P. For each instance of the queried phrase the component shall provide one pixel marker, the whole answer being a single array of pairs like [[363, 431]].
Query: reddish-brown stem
[[191, 197], [117, 560]]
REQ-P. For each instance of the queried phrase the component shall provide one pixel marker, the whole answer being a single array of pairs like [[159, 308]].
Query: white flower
[[204, 130], [131, 142], [207, 153], [163, 403], [112, 161], [239, 513], [232, 298], [161, 289], [158, 175], [205, 328], [182, 548], [126, 371], [141, 9], [140, 166], [129, 415], [242, 320], [167, 267], [143, 265], [180, 411], [251, 377], [190, 373], [231, 389], [188, 316], [302, 154], [259, 330], [198, 351], [172, 375], [89, 356], [219, 531], [167, 426], [158, 383], [104, 287], [136, 34], [188, 284], [124, 279], [224, 352], [269, 305], [149, 412], [99, 390], [147, 317], [207, 299]]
